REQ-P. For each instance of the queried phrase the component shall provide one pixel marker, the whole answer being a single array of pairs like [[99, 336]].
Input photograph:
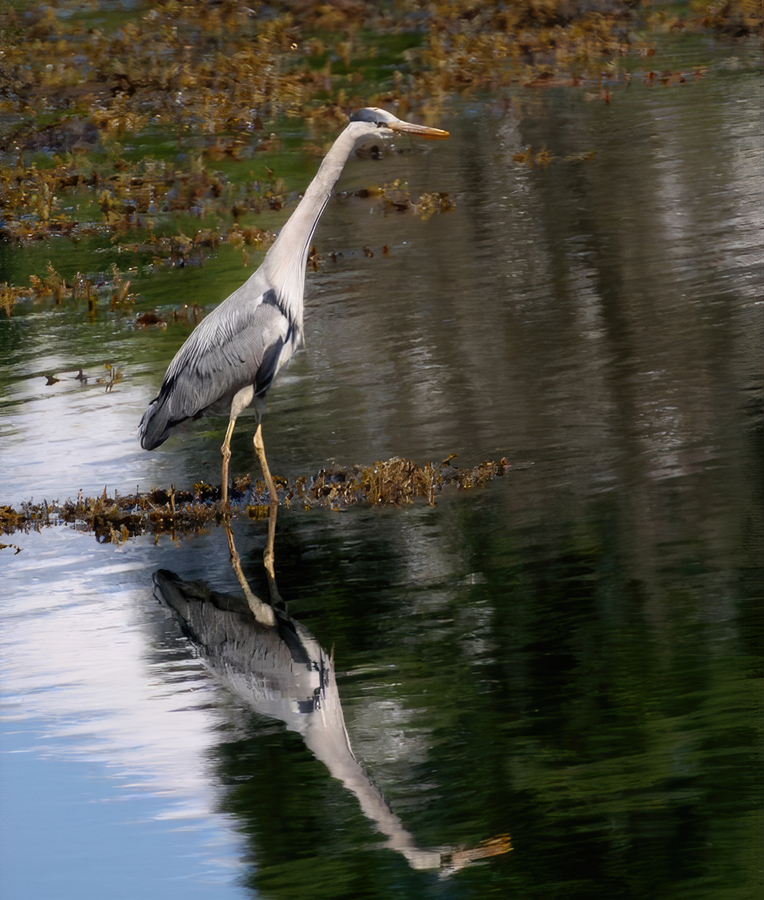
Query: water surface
[[570, 655]]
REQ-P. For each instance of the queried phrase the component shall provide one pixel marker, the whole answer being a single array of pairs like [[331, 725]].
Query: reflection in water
[[279, 669]]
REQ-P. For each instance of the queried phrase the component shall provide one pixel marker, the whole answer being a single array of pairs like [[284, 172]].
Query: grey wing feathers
[[243, 342]]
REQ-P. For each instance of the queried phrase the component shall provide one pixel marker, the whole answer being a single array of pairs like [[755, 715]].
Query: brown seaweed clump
[[115, 519]]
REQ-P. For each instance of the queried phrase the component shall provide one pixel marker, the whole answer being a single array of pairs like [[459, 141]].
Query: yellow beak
[[432, 134]]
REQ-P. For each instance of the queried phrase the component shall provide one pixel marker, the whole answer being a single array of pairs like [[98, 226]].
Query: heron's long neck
[[286, 260]]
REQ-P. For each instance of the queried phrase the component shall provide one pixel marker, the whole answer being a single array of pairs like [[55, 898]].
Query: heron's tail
[[155, 425]]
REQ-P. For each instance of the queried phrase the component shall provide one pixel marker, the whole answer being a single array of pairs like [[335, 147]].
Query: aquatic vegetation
[[121, 516], [116, 122]]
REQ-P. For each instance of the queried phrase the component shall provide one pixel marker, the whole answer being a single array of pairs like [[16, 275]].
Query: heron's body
[[229, 360], [233, 355]]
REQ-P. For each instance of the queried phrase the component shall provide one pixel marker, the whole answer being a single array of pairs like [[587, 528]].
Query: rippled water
[[570, 655]]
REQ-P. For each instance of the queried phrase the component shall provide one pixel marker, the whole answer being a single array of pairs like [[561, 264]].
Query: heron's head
[[381, 123]]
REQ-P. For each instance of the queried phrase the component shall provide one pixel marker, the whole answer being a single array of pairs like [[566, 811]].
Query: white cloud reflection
[[87, 662]]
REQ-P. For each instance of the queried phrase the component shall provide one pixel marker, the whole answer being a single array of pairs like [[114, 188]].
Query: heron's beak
[[432, 134]]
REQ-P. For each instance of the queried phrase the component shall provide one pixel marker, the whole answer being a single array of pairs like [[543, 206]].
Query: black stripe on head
[[369, 114]]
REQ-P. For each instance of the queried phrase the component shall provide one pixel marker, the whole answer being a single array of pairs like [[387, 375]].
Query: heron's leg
[[268, 556], [226, 451], [261, 611]]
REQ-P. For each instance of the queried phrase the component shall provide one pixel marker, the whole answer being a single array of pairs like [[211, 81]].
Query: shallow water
[[570, 655]]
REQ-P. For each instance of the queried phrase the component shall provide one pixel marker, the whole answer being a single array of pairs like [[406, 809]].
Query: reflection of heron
[[279, 669], [232, 356]]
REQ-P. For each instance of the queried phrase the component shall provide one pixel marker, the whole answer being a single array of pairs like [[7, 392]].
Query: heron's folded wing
[[235, 346]]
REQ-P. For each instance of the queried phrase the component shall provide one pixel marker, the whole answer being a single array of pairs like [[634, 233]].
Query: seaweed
[[118, 517], [121, 122]]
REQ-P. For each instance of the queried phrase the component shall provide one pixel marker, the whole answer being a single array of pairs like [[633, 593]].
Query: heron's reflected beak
[[432, 134]]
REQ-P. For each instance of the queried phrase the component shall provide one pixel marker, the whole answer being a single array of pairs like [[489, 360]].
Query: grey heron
[[230, 359]]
